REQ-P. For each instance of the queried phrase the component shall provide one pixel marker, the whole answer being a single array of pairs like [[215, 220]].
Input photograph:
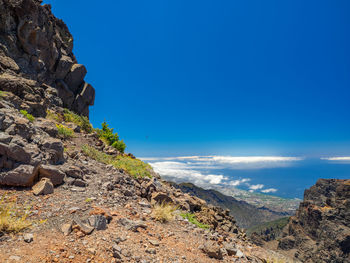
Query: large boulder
[[51, 172], [23, 175]]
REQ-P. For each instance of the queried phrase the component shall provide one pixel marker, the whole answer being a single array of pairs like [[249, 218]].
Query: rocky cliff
[[36, 61], [320, 230]]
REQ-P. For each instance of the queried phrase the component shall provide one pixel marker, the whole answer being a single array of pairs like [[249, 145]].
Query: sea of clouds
[[199, 169]]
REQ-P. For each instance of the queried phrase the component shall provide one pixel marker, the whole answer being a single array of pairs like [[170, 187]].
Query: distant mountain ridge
[[246, 215]]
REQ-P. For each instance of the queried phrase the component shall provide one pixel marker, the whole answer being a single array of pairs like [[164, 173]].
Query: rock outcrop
[[320, 231], [36, 61]]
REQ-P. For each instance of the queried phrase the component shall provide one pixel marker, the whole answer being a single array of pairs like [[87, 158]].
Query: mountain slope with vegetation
[[245, 214]]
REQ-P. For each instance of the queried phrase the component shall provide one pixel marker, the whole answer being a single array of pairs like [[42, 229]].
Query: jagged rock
[[161, 198], [99, 222], [52, 172], [5, 138], [54, 150], [85, 228], [43, 187], [320, 230], [212, 249], [39, 46], [66, 229], [23, 175], [48, 126]]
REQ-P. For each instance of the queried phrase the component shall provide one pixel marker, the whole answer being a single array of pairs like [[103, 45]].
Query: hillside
[[68, 191], [246, 215]]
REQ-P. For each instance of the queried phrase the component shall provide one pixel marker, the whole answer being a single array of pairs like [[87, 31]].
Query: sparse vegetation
[[272, 228], [133, 167], [81, 121], [30, 117], [54, 116], [2, 94], [192, 219], [107, 135], [13, 218], [163, 212], [64, 132]]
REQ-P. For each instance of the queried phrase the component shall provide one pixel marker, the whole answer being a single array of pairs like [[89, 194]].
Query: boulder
[[43, 187], [212, 249], [54, 149], [52, 172], [75, 77], [161, 198], [23, 175]]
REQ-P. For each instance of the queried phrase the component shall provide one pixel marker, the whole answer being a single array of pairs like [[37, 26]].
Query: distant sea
[[283, 178]]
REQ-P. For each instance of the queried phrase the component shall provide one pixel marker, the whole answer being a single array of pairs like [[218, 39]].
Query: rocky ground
[[97, 213]]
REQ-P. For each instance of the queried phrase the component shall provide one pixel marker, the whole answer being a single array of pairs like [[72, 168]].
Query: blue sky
[[217, 77]]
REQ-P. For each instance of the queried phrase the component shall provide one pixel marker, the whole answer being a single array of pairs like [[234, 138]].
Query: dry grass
[[13, 218], [164, 212]]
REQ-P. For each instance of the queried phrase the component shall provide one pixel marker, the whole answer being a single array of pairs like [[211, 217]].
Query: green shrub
[[64, 132], [54, 116], [107, 135], [192, 219], [119, 145], [82, 121], [27, 115], [133, 167]]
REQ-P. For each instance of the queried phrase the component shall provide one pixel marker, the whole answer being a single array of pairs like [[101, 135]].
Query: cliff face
[[36, 60], [320, 231]]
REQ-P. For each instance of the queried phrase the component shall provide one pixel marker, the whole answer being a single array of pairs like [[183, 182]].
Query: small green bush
[[133, 167], [119, 145], [64, 132], [192, 219], [81, 121], [107, 135], [30, 117]]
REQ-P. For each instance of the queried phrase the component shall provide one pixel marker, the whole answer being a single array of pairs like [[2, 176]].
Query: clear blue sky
[[217, 77]]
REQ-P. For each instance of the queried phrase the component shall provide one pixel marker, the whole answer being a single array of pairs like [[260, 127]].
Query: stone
[[230, 249], [158, 197], [63, 67], [239, 254], [66, 229], [28, 237], [54, 149], [5, 138], [52, 172], [79, 183], [18, 153], [151, 251], [84, 228], [43, 187], [74, 172], [212, 249], [131, 225], [154, 242], [23, 175], [99, 222], [75, 77]]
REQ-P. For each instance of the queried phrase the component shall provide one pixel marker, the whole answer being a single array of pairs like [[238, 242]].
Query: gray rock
[[212, 249], [52, 172], [85, 228], [131, 225], [5, 138], [99, 222], [23, 175], [66, 229]]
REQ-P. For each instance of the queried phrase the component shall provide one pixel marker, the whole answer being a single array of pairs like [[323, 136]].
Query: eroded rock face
[[36, 61], [320, 231]]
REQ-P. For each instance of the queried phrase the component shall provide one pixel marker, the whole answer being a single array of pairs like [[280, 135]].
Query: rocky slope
[[71, 197], [245, 214], [320, 230]]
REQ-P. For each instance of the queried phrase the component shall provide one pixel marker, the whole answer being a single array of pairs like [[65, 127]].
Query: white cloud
[[238, 182], [231, 162], [343, 158], [256, 187], [269, 190]]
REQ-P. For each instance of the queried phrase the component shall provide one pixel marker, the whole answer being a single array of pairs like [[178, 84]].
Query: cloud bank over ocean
[[199, 169]]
